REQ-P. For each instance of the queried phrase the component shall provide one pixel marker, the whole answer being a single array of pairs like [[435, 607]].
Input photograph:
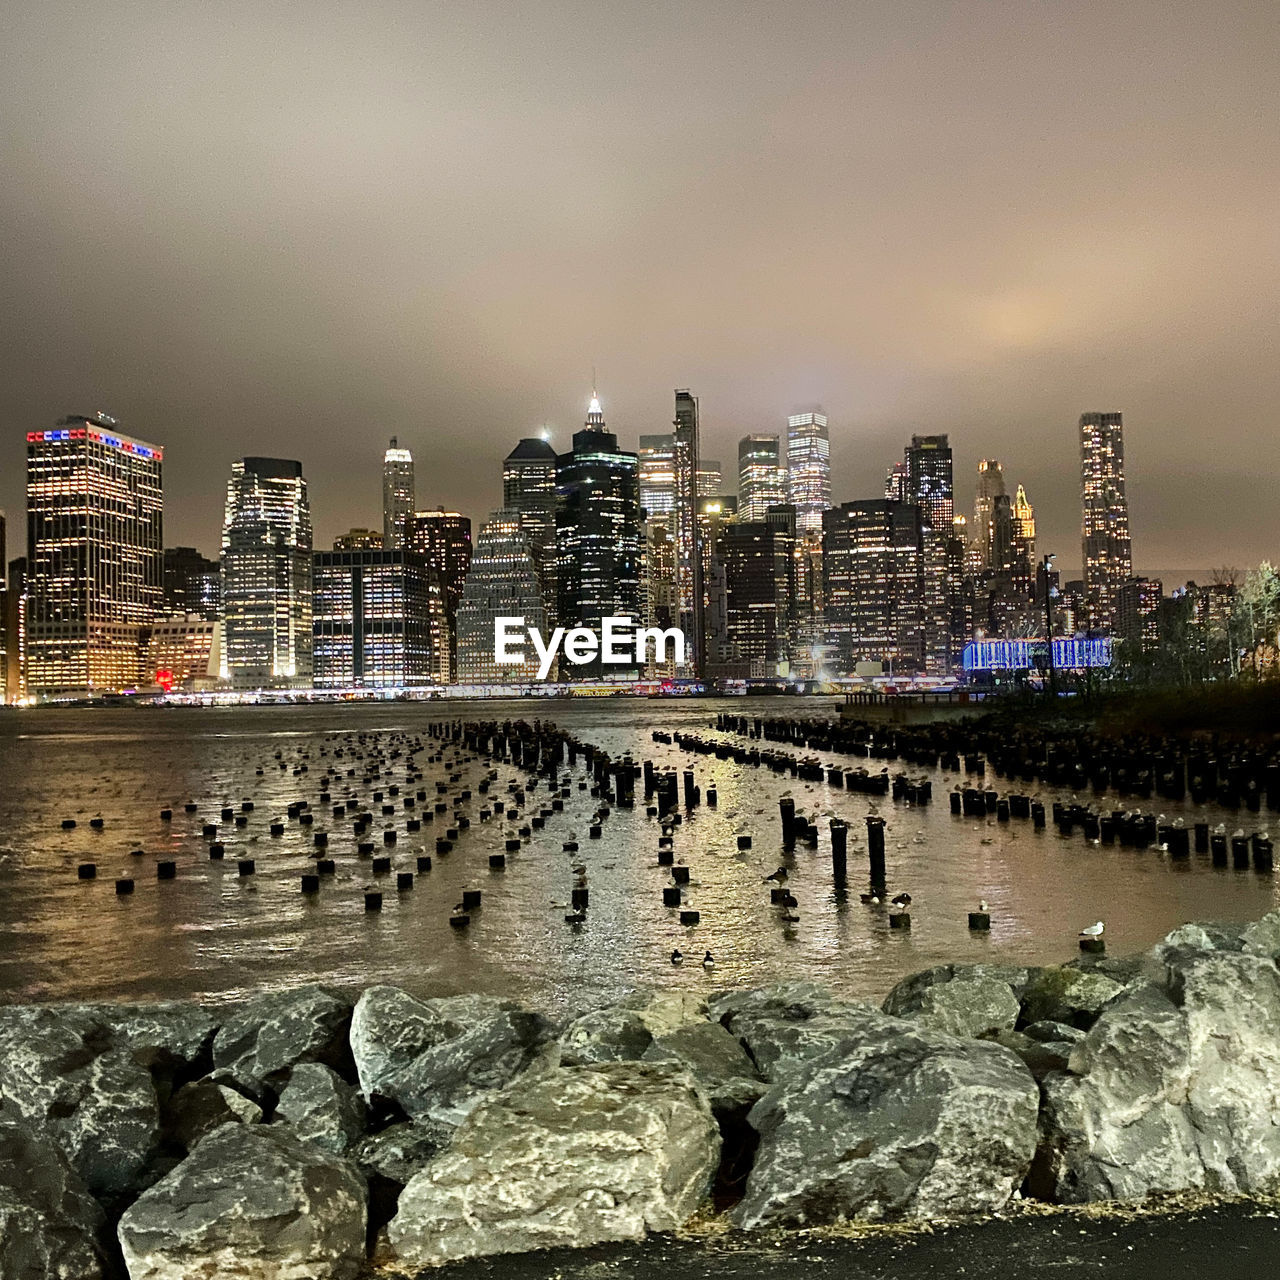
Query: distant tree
[[1255, 622]]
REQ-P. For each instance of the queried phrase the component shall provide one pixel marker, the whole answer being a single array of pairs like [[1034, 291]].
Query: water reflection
[[217, 936]]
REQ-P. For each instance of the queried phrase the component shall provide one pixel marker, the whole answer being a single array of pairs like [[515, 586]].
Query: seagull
[[982, 904], [676, 957], [779, 875], [1093, 931]]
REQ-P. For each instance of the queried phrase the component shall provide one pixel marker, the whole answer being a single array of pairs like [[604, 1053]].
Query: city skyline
[[436, 235]]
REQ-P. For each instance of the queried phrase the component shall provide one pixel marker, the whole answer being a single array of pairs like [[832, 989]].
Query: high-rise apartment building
[[502, 583], [873, 568], [808, 468], [529, 489], [925, 479], [656, 460], [397, 494], [757, 560], [95, 556], [443, 539], [688, 533], [375, 619], [192, 585], [266, 575], [1138, 613], [598, 538], [1108, 559], [762, 479], [990, 487]]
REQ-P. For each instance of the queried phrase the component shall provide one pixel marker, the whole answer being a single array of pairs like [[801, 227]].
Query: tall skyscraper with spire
[[1105, 545], [598, 537], [808, 468], [397, 495]]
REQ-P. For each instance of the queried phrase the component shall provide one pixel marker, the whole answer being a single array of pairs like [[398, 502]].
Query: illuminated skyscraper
[[1138, 614], [359, 540], [873, 560], [443, 539], [928, 481], [266, 575], [762, 480], [598, 538], [529, 489], [758, 571], [990, 487], [372, 619], [710, 478], [95, 555], [925, 480], [1105, 527], [657, 469], [502, 582], [397, 494], [808, 468], [688, 534]]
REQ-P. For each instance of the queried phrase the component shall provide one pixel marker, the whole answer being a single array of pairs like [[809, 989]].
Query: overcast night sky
[[298, 229]]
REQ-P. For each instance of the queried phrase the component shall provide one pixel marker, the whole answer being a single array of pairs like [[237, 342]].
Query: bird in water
[[708, 961], [901, 900], [1093, 931], [676, 957], [872, 898]]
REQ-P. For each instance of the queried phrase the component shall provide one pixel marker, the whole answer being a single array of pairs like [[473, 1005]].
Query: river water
[[213, 935]]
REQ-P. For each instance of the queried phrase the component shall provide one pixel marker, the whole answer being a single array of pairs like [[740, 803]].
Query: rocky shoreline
[[304, 1136]]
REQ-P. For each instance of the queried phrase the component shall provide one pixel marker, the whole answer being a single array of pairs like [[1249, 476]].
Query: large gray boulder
[[318, 1105], [51, 1228], [65, 1073], [172, 1032], [275, 1031], [438, 1058], [623, 1032], [965, 1005], [1074, 997], [717, 1062], [400, 1150], [568, 1157], [1176, 1085], [1262, 937], [251, 1202], [786, 1025], [894, 1122], [202, 1106]]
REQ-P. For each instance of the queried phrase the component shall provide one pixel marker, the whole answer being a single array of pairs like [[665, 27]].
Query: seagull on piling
[[1093, 931]]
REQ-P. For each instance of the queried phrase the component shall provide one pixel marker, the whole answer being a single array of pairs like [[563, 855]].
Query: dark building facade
[[598, 537], [529, 489], [443, 539], [192, 584]]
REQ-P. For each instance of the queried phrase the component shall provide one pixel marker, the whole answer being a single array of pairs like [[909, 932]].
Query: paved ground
[[1236, 1241]]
